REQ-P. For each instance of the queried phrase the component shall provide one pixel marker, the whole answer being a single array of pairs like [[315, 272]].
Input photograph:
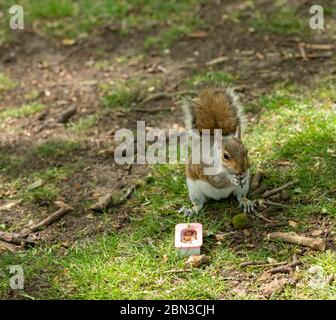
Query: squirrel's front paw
[[235, 181], [247, 205]]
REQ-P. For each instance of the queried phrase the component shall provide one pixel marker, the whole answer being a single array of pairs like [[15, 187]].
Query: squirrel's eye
[[226, 156]]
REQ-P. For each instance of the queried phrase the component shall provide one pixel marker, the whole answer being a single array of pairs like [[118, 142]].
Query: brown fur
[[213, 110], [238, 162]]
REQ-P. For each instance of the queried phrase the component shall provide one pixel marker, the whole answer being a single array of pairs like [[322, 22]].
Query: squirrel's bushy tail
[[214, 107]]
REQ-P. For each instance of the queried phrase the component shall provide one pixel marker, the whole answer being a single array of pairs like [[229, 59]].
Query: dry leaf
[[316, 233], [38, 183], [219, 236], [276, 285], [68, 42], [196, 260], [246, 233], [5, 246], [292, 223], [9, 205]]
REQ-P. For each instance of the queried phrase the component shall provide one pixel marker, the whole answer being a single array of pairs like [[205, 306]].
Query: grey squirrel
[[218, 107]]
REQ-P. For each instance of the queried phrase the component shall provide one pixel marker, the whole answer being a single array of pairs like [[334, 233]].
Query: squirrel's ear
[[238, 133]]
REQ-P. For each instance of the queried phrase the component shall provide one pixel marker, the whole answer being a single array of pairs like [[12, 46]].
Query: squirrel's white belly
[[198, 187]]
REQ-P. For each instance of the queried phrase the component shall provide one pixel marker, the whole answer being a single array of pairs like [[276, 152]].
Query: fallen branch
[[103, 203], [256, 180], [303, 51], [216, 61], [259, 215], [288, 267], [106, 201], [275, 204], [261, 264], [17, 238], [319, 46], [291, 237], [128, 193], [277, 190], [259, 190], [326, 54], [64, 209]]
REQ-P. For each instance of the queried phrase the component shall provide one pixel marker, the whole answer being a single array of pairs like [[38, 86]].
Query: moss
[[240, 221]]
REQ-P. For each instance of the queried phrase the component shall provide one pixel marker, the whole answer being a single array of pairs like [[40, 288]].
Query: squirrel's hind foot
[[247, 205]]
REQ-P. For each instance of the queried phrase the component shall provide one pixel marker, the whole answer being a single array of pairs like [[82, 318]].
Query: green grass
[[165, 38], [125, 94], [66, 18], [9, 162], [23, 111], [50, 186], [55, 148], [84, 123], [5, 82], [120, 97], [283, 20], [220, 77], [296, 124], [43, 194], [130, 264]]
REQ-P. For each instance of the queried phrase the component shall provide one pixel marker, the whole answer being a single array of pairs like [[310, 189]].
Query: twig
[[276, 190], [330, 279], [64, 209], [288, 267], [17, 238], [259, 190], [326, 54], [250, 263], [256, 180], [269, 210], [302, 51], [128, 193], [318, 46], [275, 204], [261, 264], [217, 61], [129, 168], [104, 202], [177, 270], [291, 237], [259, 215]]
